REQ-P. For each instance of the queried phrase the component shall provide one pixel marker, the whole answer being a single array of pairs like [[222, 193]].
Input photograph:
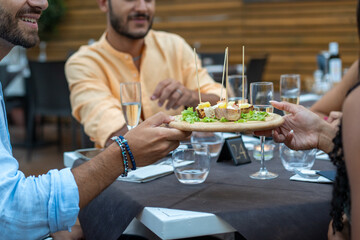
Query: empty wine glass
[[236, 87], [130, 98], [261, 93], [290, 88]]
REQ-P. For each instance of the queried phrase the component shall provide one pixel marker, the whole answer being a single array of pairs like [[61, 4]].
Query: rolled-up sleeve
[[34, 206]]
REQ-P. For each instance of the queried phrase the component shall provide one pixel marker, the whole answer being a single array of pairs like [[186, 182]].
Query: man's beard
[[120, 27], [10, 31]]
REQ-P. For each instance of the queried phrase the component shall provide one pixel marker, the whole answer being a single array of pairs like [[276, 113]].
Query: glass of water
[[290, 88], [191, 164], [261, 93], [214, 141], [235, 88], [298, 160], [130, 98]]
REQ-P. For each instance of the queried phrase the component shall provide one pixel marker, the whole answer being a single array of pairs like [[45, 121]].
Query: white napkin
[[148, 173], [322, 155], [319, 179]]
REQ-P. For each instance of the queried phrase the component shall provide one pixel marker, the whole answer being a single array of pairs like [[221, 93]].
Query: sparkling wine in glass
[[130, 97], [290, 88], [261, 93]]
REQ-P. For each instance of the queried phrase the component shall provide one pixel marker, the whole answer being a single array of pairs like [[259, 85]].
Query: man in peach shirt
[[129, 51]]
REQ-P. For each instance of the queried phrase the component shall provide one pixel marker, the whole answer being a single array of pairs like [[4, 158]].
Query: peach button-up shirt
[[95, 72]]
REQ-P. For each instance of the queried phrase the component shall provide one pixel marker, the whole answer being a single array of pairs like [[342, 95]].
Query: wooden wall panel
[[292, 33]]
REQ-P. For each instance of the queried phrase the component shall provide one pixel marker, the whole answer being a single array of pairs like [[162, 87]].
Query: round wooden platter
[[271, 122]]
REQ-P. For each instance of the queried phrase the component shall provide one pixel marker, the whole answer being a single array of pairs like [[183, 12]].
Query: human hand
[[302, 128], [334, 118], [150, 141], [174, 93]]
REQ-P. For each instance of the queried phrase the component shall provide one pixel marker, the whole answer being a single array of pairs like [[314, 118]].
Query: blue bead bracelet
[[124, 141], [123, 152]]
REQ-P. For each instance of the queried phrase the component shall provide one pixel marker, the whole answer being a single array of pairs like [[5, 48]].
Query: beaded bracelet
[[123, 140], [123, 152]]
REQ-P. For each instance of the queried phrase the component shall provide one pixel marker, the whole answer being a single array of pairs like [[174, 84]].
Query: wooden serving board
[[271, 122]]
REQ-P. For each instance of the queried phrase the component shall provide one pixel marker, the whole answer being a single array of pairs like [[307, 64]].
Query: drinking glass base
[[263, 175]]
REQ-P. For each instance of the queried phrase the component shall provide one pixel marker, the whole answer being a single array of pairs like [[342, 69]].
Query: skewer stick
[[222, 81], [227, 76], [243, 75], [197, 75]]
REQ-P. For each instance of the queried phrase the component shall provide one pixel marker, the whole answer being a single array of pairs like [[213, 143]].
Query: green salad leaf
[[189, 115], [241, 120], [223, 120], [254, 116], [207, 119]]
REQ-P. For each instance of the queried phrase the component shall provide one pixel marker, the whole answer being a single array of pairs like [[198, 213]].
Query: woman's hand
[[302, 129], [334, 118], [151, 140]]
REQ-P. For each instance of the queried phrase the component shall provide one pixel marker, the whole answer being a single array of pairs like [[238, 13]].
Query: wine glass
[[261, 93], [290, 88], [236, 86], [130, 98]]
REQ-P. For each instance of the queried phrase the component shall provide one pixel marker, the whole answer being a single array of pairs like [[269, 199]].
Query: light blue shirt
[[32, 207]]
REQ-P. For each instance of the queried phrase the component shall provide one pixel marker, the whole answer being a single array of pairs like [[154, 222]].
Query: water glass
[[290, 88], [235, 88], [213, 140], [130, 98], [299, 160], [191, 164]]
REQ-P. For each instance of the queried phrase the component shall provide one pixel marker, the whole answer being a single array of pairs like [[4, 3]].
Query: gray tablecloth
[[257, 209]]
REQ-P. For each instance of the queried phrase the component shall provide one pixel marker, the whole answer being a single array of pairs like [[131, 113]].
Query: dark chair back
[[48, 95], [255, 70], [48, 88], [212, 59]]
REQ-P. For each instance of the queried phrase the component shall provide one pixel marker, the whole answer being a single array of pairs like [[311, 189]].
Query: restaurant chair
[[48, 96], [85, 139], [255, 69], [11, 102], [208, 59]]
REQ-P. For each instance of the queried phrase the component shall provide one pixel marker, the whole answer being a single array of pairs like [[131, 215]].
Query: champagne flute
[[290, 88], [130, 98], [261, 93]]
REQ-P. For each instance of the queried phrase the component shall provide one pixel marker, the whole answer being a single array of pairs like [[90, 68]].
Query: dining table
[[255, 209]]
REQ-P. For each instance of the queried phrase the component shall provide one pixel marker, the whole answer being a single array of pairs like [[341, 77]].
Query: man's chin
[[135, 36]]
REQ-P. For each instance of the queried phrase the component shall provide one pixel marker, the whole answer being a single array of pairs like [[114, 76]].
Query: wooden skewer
[[227, 76], [222, 81], [197, 75], [243, 75]]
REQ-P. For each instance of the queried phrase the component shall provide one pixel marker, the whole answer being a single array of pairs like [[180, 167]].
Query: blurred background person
[[129, 51]]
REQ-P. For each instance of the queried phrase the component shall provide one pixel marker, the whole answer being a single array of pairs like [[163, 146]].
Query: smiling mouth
[[29, 20]]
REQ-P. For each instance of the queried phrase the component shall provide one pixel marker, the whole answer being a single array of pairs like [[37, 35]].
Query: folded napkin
[[312, 177], [322, 155], [148, 173], [151, 172]]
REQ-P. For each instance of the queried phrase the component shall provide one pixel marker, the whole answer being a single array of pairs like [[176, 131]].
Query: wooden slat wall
[[292, 33]]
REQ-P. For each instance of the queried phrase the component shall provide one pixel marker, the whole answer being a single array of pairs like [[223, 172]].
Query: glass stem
[[262, 142]]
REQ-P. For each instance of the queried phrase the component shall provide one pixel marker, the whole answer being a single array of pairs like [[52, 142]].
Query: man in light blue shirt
[[32, 207]]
